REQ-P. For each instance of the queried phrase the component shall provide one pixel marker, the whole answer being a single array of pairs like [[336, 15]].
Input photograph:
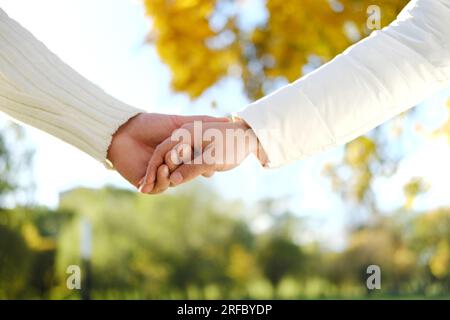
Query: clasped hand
[[156, 151]]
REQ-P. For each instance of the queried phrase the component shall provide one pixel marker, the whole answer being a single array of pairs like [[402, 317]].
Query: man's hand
[[223, 147], [135, 142]]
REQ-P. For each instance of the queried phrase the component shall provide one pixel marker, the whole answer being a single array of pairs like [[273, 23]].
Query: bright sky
[[104, 41]]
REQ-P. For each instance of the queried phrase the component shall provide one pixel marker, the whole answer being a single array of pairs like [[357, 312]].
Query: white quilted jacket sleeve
[[381, 76]]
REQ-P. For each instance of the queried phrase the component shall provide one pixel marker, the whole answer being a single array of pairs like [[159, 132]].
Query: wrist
[[255, 146], [118, 141], [261, 155]]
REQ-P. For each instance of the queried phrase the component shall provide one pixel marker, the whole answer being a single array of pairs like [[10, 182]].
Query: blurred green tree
[[430, 238], [14, 263], [15, 168], [279, 257], [27, 251], [15, 164]]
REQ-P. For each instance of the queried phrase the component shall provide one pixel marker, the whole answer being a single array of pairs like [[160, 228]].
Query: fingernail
[[176, 178], [146, 188], [166, 171], [174, 157]]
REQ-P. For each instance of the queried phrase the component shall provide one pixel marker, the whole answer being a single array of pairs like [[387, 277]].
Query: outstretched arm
[[372, 81], [381, 76]]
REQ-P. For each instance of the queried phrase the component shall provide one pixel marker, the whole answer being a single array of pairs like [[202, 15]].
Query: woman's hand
[[200, 149], [135, 142]]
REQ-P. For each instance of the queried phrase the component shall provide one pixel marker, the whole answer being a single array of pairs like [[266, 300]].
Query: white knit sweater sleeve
[[387, 73], [39, 89]]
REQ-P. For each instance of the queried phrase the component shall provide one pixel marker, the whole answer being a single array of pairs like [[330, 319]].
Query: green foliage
[[27, 251], [15, 162], [14, 263], [279, 258], [193, 244]]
